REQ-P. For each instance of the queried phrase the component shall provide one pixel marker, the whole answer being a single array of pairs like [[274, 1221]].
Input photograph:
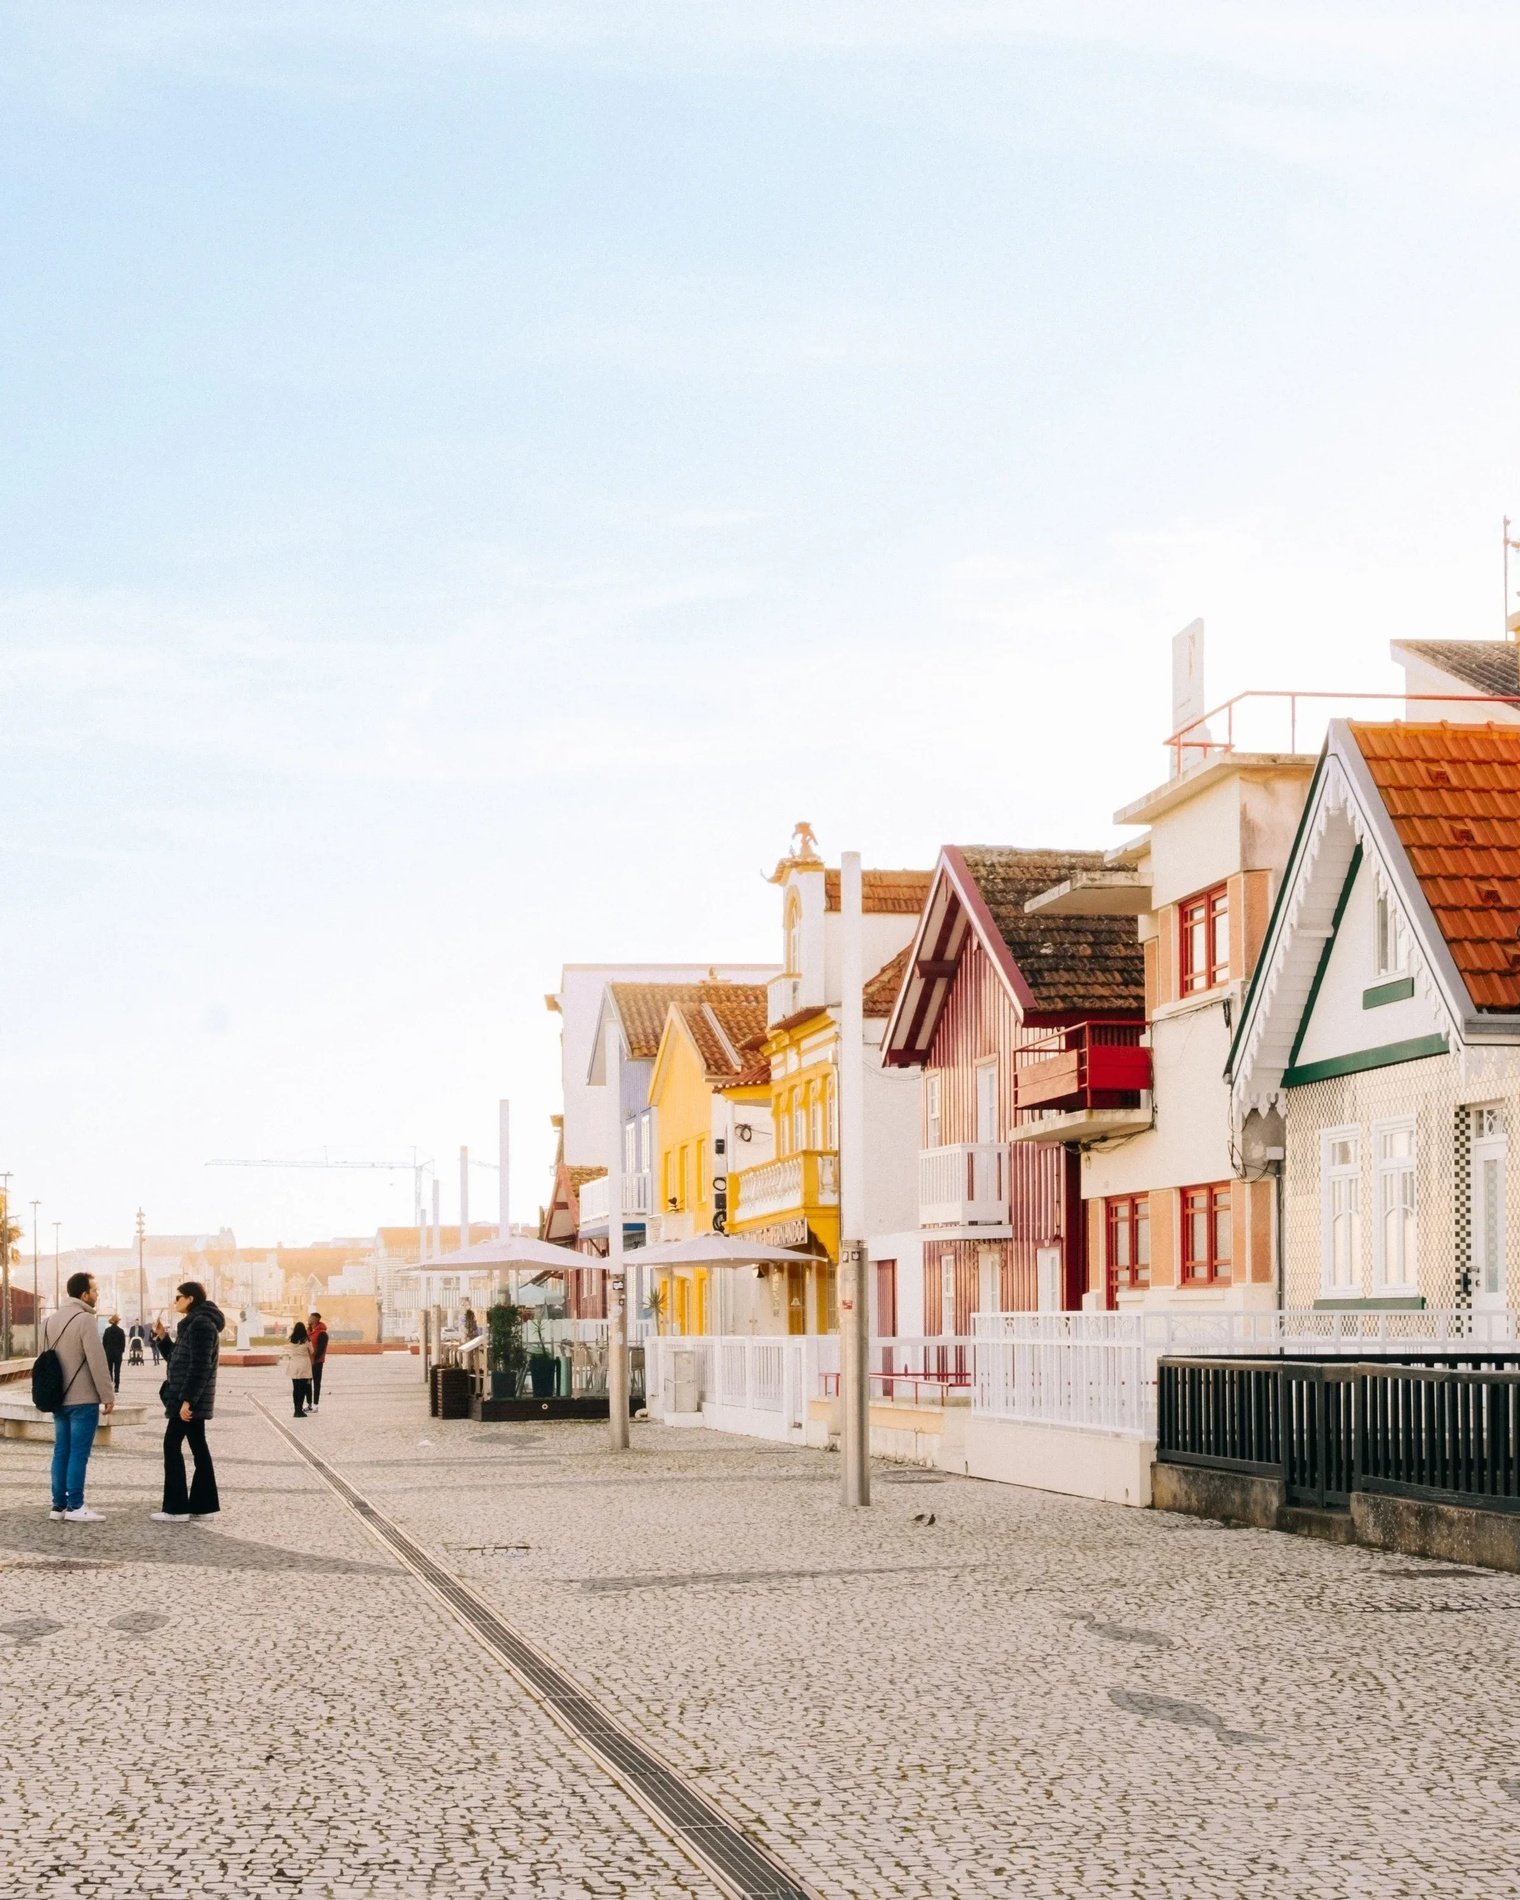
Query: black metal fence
[[1442, 1426]]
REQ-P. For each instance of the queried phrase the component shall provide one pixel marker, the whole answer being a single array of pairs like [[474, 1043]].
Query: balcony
[[1083, 1081], [783, 1190], [965, 1186], [593, 1199]]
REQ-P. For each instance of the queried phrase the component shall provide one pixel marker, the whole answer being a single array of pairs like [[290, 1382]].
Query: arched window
[[793, 933]]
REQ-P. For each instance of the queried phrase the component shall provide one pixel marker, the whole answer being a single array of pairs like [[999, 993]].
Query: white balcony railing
[[594, 1197], [776, 1188], [964, 1185]]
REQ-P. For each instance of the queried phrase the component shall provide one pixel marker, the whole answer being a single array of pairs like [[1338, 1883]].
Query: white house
[[1379, 1042]]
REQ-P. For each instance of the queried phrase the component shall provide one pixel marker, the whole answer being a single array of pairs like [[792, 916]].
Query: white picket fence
[[1097, 1371], [1084, 1371]]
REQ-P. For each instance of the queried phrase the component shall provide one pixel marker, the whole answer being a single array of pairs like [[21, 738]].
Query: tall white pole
[[617, 1300], [504, 1163], [464, 1197], [854, 1289], [437, 1243]]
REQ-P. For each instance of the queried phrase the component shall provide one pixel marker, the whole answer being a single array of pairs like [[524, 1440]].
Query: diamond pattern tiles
[[1453, 793]]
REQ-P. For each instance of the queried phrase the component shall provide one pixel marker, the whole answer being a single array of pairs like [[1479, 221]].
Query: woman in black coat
[[189, 1395]]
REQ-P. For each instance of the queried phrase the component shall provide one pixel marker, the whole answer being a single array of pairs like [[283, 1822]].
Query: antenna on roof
[[1511, 619]]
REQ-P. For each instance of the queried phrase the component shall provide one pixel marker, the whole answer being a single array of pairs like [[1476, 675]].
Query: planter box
[[508, 1411]]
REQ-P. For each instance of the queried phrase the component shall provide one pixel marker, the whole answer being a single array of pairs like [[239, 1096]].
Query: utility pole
[[57, 1281], [854, 1285], [142, 1278], [5, 1265], [617, 1302], [35, 1206]]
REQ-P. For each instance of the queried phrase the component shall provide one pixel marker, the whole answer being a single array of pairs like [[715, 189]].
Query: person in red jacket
[[316, 1335]]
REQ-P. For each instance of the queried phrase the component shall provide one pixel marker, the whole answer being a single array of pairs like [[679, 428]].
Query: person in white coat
[[295, 1363], [73, 1332]]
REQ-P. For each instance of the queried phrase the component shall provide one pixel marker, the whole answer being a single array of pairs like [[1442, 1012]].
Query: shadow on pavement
[[135, 1539]]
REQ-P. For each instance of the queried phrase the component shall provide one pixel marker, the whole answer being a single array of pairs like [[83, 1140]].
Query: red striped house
[[1011, 1016]]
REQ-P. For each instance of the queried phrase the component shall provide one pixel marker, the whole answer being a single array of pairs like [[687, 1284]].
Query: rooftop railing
[[1295, 722]]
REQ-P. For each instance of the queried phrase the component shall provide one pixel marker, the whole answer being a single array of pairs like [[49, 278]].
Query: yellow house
[[709, 1089], [792, 1200]]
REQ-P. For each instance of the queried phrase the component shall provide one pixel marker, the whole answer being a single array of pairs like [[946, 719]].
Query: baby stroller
[[135, 1351]]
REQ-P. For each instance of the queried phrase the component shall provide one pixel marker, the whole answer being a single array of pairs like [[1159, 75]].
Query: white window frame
[[934, 1124], [1381, 1170], [1490, 1145], [1330, 1175], [1390, 938]]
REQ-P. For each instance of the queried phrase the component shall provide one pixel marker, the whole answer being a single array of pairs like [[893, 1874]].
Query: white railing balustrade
[[595, 1197], [809, 1178], [781, 994], [963, 1185]]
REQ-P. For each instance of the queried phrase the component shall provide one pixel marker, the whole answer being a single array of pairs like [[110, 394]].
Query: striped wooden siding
[[981, 1020]]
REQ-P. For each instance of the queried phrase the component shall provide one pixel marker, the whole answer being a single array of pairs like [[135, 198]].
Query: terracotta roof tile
[[727, 1023], [643, 1008], [1453, 793], [879, 994], [1069, 963], [899, 893]]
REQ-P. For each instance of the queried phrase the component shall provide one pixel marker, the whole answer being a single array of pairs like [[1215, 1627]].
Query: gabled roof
[[1052, 966], [1482, 666], [895, 893], [1436, 805], [726, 1024], [641, 1009], [1453, 793]]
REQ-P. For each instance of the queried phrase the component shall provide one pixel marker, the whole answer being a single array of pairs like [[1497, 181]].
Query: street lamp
[[36, 1282], [142, 1284]]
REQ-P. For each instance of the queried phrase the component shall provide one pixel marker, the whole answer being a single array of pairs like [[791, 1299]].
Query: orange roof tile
[[1453, 793], [879, 994], [900, 893], [727, 1023]]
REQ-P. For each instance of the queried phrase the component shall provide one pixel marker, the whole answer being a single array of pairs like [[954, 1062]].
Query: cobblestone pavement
[[1030, 1696]]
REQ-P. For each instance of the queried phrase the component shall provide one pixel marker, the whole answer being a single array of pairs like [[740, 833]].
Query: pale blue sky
[[476, 474]]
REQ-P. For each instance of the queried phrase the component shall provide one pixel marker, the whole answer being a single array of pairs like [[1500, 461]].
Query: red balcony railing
[[1292, 722], [1084, 1065]]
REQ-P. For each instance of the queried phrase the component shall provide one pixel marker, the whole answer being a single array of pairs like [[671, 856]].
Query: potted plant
[[505, 1349], [542, 1362], [654, 1304]]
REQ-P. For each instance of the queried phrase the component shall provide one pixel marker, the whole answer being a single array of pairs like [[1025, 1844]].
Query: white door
[[1048, 1278], [1490, 1156], [984, 1169], [988, 1282]]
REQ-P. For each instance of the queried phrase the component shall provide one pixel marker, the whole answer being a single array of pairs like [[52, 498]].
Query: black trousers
[[300, 1394], [115, 1369], [201, 1499], [316, 1382]]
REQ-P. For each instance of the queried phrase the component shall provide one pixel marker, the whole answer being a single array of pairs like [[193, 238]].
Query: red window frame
[[1203, 948], [1207, 1212], [1129, 1236]]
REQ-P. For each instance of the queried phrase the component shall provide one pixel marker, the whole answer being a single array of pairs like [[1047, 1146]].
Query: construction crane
[[416, 1167]]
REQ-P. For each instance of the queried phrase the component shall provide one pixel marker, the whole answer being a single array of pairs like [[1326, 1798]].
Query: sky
[[475, 474]]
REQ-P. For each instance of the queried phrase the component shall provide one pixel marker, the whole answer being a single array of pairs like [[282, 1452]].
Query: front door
[[984, 1182], [1490, 1159]]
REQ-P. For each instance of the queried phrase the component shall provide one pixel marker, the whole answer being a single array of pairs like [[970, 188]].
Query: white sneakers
[[56, 1516], [84, 1515], [170, 1517]]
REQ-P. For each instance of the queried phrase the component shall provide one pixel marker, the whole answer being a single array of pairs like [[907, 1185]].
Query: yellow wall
[[680, 1094]]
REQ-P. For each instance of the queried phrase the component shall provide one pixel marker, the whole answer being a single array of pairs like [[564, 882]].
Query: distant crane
[[417, 1167]]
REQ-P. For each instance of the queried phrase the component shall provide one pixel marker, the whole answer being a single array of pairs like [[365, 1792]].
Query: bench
[[19, 1418]]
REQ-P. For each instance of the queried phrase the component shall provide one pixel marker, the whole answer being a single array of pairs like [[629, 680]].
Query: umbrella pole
[[617, 1304]]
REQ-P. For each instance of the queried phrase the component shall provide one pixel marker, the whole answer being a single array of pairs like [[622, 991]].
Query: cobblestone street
[[985, 1704]]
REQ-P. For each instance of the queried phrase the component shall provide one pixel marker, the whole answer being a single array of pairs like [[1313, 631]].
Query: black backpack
[[47, 1377]]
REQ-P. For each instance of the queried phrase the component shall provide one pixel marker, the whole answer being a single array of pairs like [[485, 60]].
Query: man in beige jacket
[[88, 1390]]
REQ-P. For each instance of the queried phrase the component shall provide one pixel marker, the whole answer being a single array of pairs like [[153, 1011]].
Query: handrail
[[1179, 742]]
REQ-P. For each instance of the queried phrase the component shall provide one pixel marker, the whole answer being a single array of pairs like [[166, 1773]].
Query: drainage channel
[[720, 1847]]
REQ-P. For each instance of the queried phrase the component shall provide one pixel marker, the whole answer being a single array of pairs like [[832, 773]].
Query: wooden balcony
[[594, 1196], [1084, 1080], [791, 1188]]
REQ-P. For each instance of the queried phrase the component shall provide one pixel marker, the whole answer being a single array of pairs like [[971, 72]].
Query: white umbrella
[[716, 1250], [518, 1250]]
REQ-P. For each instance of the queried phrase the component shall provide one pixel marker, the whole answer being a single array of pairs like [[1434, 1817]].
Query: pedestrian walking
[[156, 1340], [74, 1334], [189, 1395], [115, 1342], [471, 1324], [295, 1362], [316, 1332]]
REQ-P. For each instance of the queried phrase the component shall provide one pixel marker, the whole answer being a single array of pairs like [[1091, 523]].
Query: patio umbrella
[[717, 1250], [517, 1250]]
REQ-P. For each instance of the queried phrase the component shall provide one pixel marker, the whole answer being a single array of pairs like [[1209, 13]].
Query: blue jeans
[[73, 1434]]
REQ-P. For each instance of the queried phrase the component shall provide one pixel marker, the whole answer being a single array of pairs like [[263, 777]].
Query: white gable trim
[[1345, 812]]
